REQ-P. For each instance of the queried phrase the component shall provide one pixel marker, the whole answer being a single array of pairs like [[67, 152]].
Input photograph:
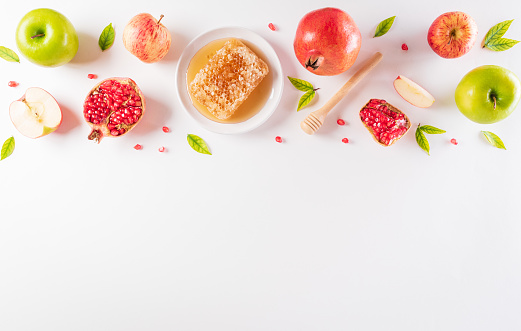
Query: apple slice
[[36, 114], [412, 92]]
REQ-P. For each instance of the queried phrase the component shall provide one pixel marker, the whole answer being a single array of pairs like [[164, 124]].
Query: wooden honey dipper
[[314, 120]]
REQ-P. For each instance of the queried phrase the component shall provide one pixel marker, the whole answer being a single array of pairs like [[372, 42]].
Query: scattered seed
[[272, 27], [166, 129], [92, 76], [161, 149], [12, 84], [278, 139], [340, 122], [404, 47], [453, 141], [138, 147], [345, 140]]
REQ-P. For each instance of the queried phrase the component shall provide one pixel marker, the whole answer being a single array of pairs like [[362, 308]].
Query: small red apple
[[452, 34], [146, 38], [327, 41]]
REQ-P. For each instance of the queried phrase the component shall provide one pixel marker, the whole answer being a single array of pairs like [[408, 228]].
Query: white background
[[310, 234]]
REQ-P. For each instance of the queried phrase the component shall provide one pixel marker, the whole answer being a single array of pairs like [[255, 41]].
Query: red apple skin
[[327, 41], [146, 38], [452, 34]]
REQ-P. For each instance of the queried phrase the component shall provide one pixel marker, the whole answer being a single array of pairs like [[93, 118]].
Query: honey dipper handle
[[361, 73], [314, 120]]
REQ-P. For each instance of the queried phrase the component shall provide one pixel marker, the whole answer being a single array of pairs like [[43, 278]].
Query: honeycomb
[[228, 78]]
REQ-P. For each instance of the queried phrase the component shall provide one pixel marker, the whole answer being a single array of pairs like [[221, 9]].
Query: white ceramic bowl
[[274, 64]]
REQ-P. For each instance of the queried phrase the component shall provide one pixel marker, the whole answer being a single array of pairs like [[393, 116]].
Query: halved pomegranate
[[386, 123], [113, 107]]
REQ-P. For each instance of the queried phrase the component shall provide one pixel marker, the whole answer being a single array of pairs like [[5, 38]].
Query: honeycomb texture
[[228, 78]]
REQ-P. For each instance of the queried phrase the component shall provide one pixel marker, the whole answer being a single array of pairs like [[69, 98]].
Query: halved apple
[[412, 92], [36, 114]]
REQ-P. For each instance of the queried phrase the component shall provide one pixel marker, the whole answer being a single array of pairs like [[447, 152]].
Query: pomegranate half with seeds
[[386, 123], [113, 107]]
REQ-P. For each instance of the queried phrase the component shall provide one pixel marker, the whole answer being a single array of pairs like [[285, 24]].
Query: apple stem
[[452, 35], [493, 97], [38, 35], [316, 89], [160, 18]]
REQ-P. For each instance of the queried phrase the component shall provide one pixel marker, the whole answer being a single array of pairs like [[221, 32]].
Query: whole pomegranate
[[327, 41], [113, 107]]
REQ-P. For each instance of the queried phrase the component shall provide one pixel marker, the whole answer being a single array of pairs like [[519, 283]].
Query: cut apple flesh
[[36, 114], [412, 92]]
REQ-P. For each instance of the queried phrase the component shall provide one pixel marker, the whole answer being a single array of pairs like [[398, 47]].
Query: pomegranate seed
[[345, 140], [12, 84], [161, 149], [272, 27], [453, 141], [92, 76], [340, 122], [278, 139], [404, 47], [166, 129], [138, 147]]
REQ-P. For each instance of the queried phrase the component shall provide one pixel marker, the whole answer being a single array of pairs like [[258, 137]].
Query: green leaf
[[305, 99], [8, 54], [384, 26], [7, 148], [106, 39], [300, 84], [422, 140], [501, 44], [198, 144], [496, 32], [431, 129], [493, 139]]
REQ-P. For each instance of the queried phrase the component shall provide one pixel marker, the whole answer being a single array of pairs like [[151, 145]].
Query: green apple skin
[[58, 43], [477, 90]]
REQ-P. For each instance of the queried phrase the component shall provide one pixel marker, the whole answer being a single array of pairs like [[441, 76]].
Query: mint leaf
[[7, 148], [496, 32], [8, 54], [422, 140], [106, 39], [198, 144], [431, 129], [501, 44], [303, 86], [493, 139], [305, 99], [300, 84], [494, 41], [384, 26]]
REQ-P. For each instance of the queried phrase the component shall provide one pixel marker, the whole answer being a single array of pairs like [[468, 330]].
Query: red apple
[[452, 34], [147, 38], [327, 41]]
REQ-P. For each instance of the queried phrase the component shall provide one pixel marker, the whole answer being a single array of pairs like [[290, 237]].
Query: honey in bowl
[[253, 103]]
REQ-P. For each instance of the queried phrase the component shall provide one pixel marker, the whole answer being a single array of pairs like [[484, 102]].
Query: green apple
[[47, 38], [488, 94]]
